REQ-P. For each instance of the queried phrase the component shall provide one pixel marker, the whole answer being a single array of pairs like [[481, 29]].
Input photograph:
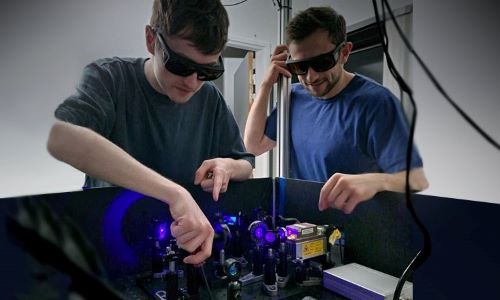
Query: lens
[[298, 68], [270, 237], [207, 75], [257, 231], [323, 63], [232, 268], [179, 68]]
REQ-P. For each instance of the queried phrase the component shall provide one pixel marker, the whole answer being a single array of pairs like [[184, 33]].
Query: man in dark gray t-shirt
[[115, 99], [149, 124]]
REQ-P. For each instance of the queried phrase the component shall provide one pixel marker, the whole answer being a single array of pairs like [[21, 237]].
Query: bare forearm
[[241, 169], [96, 156], [397, 182], [256, 121]]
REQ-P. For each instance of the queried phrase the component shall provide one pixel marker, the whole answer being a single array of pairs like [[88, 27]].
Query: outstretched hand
[[213, 176], [345, 192]]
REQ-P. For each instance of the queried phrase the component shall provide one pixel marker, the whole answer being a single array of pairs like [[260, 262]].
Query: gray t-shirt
[[115, 100]]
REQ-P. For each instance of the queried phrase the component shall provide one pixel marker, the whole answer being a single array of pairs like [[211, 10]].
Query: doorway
[[246, 61]]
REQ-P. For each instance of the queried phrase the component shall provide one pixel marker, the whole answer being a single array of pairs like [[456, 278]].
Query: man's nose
[[311, 75], [192, 80]]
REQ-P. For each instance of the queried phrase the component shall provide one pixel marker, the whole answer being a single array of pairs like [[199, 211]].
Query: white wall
[[459, 42], [45, 45]]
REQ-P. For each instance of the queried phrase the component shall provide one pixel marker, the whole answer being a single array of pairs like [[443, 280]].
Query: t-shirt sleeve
[[229, 141], [271, 125], [92, 104], [388, 134]]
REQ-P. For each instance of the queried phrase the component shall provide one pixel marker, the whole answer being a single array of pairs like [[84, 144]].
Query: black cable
[[424, 253], [404, 277], [237, 3], [206, 282]]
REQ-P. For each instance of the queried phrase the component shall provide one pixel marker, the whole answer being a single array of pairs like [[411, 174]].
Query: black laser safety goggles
[[320, 63], [183, 66]]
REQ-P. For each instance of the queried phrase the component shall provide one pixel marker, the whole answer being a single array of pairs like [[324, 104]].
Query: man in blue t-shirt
[[148, 124], [345, 129]]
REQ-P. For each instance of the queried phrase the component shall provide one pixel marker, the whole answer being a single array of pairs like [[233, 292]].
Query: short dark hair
[[310, 20], [203, 22]]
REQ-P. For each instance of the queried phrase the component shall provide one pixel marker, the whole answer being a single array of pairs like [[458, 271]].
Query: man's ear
[[150, 39], [345, 52]]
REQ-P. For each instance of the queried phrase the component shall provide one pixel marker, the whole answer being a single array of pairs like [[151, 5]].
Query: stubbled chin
[[317, 90]]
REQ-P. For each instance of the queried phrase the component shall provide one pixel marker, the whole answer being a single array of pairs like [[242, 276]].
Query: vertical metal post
[[283, 102]]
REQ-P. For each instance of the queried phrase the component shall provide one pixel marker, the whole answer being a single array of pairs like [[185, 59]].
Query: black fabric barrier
[[380, 233], [465, 255]]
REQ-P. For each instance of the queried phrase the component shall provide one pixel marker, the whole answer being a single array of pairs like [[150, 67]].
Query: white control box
[[356, 281]]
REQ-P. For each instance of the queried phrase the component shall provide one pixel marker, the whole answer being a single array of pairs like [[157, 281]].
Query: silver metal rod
[[283, 102]]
